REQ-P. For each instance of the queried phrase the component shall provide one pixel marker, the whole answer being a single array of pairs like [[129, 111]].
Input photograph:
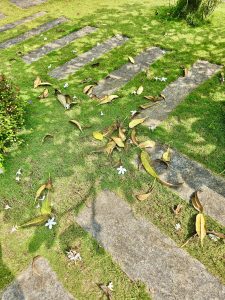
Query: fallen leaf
[[140, 90], [121, 134], [147, 105], [46, 207], [110, 147], [131, 59], [118, 141], [136, 122], [133, 137], [40, 191], [77, 124], [166, 157], [37, 81], [196, 202], [200, 227], [36, 221], [155, 98], [145, 160], [186, 72], [87, 89], [44, 94], [47, 136], [98, 135], [108, 99], [63, 99], [143, 197], [218, 234], [177, 209], [147, 144]]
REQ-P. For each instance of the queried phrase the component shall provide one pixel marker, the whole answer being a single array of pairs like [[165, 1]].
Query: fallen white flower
[[152, 127], [101, 113], [51, 222], [133, 112], [178, 226], [42, 198], [66, 85], [49, 67], [121, 170], [73, 255], [14, 228], [19, 172], [163, 79], [17, 178], [7, 207], [110, 286], [74, 51], [213, 237], [1, 171]]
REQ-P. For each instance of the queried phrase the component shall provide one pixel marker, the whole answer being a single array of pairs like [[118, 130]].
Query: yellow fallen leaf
[[147, 144], [44, 94], [121, 134], [110, 147], [196, 202], [167, 155], [98, 135], [108, 99], [37, 81], [133, 137], [143, 197], [37, 221], [118, 141], [200, 227], [77, 124], [131, 59], [140, 90], [136, 122], [145, 160], [40, 191]]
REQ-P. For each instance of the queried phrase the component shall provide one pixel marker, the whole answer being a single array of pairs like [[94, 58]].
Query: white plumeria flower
[[74, 51], [130, 141], [19, 172], [14, 228], [110, 286], [178, 226], [163, 79], [49, 67], [163, 52], [38, 206], [73, 255], [51, 222], [18, 178], [67, 106], [1, 171], [7, 207], [152, 127], [133, 112], [156, 78], [74, 97], [213, 237], [101, 113], [121, 170], [66, 85]]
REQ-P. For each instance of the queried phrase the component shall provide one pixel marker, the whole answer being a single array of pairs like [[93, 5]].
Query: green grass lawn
[[196, 128]]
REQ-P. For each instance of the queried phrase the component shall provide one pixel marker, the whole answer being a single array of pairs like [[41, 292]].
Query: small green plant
[[11, 115]]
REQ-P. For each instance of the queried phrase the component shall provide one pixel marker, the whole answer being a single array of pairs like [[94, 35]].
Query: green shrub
[[11, 115]]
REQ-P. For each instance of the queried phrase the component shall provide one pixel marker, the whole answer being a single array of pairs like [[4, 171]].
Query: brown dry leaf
[[131, 59], [166, 157], [140, 90], [133, 137], [106, 291], [136, 122], [77, 124], [98, 135], [196, 202], [147, 105], [37, 81], [62, 99], [87, 89], [47, 136], [147, 144], [121, 134], [143, 197], [218, 234], [108, 99], [118, 141], [200, 227], [177, 209], [155, 98], [44, 94], [110, 147]]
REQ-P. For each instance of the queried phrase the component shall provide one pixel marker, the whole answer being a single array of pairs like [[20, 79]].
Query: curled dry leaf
[[118, 141], [166, 157], [186, 72], [121, 134], [98, 135], [108, 99], [133, 137], [200, 227], [38, 82], [155, 98], [77, 124], [131, 59], [147, 144], [140, 90], [143, 197], [136, 122], [109, 130], [88, 89], [110, 147], [47, 136], [177, 209], [44, 94], [196, 202], [147, 105]]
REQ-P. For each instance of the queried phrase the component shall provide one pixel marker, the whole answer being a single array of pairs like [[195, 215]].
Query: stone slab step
[[123, 75], [27, 3], [33, 32], [176, 92], [22, 21], [194, 177], [75, 64], [145, 254], [37, 283], [57, 44]]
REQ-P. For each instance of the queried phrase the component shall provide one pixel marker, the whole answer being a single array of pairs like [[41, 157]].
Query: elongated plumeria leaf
[[147, 144], [131, 59], [108, 99], [77, 124], [133, 137], [146, 106], [40, 220], [196, 202], [200, 227], [136, 122], [40, 191], [121, 134], [140, 90], [46, 208], [98, 135], [118, 141]]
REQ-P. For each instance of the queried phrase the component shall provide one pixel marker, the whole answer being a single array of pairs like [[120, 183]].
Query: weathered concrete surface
[[194, 177], [76, 63], [27, 3], [37, 283], [145, 254], [22, 21], [57, 44], [2, 16], [120, 77], [176, 92], [33, 32]]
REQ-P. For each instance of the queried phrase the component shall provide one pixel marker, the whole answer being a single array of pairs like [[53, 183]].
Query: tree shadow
[[6, 275]]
